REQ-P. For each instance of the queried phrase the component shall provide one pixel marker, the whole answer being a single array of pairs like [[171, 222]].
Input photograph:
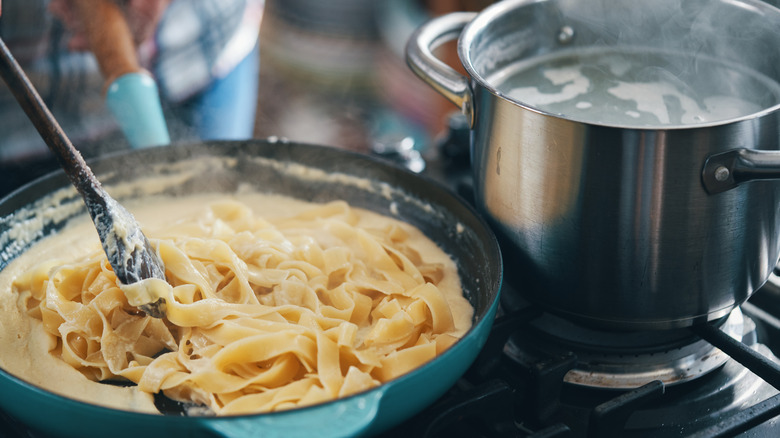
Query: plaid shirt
[[209, 37], [196, 42]]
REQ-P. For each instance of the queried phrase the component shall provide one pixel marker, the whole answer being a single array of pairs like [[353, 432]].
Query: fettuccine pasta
[[262, 314]]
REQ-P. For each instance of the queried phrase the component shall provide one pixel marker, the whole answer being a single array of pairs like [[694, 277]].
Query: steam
[[697, 55], [740, 33]]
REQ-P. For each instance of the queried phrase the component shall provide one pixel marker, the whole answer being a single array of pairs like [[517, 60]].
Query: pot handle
[[351, 416], [443, 78], [726, 170]]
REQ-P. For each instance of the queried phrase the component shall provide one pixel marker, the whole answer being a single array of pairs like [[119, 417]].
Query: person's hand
[[142, 17]]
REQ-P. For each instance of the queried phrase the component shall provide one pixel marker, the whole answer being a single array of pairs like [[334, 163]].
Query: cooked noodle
[[261, 314]]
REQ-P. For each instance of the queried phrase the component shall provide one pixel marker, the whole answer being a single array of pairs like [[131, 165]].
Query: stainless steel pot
[[619, 226]]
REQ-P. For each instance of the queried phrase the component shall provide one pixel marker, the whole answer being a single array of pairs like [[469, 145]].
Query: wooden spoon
[[125, 245]]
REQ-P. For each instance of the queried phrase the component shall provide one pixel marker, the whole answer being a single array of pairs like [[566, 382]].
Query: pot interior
[[699, 61]]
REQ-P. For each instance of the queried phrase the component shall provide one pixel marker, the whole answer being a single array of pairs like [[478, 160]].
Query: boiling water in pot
[[640, 88]]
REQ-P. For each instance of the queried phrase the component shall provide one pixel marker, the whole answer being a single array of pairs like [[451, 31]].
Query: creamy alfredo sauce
[[636, 88], [24, 346]]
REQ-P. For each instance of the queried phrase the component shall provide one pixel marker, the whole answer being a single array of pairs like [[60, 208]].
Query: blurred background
[[334, 72], [330, 73]]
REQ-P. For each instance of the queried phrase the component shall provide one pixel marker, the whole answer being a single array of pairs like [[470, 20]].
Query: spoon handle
[[127, 248], [72, 162]]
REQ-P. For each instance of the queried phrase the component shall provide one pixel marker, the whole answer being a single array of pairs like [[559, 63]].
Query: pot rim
[[483, 20]]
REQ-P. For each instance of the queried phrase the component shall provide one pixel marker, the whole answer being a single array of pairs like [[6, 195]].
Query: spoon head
[[129, 252]]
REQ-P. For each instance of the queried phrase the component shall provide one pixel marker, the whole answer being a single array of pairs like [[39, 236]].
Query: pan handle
[[441, 77], [726, 170], [351, 416]]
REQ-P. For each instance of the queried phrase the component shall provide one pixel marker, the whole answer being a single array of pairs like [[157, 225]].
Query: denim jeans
[[225, 110]]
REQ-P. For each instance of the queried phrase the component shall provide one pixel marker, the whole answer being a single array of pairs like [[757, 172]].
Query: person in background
[[202, 53]]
